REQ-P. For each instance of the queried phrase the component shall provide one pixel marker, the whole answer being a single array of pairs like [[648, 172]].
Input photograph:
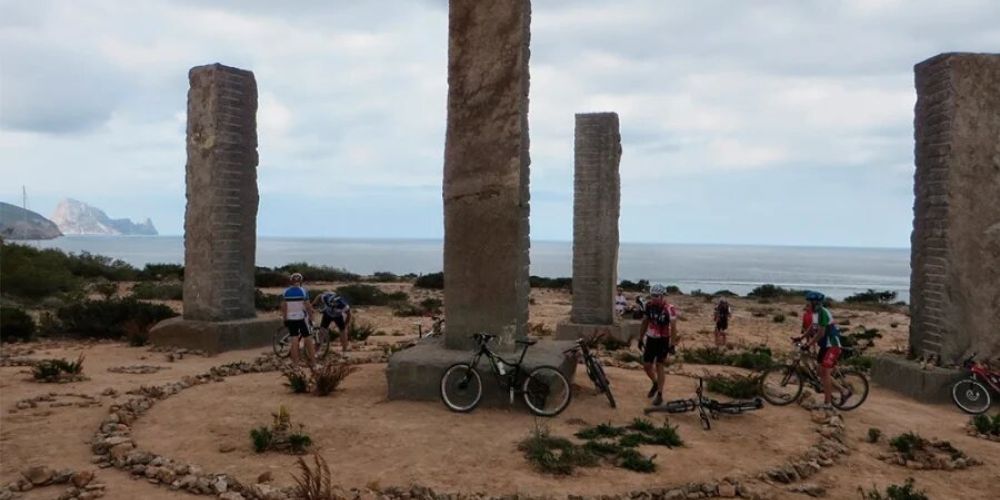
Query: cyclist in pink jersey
[[659, 326]]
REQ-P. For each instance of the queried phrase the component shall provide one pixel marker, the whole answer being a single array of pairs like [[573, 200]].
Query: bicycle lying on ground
[[545, 390], [781, 385], [708, 409], [282, 341], [972, 394], [594, 369]]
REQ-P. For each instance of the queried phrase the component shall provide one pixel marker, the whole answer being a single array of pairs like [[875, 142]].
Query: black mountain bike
[[708, 409], [545, 390], [281, 341], [783, 384], [594, 369]]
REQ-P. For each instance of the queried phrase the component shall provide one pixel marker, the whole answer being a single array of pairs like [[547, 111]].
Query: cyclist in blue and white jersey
[[336, 310], [297, 312]]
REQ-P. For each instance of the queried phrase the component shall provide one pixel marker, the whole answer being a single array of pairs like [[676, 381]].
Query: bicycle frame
[[507, 380], [980, 372]]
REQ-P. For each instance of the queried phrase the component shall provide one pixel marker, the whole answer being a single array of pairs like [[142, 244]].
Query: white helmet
[[296, 277], [657, 290]]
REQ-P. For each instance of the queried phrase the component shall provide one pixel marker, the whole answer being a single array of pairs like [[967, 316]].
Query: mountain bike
[[972, 394], [708, 409], [783, 384], [545, 390], [281, 342], [594, 369]]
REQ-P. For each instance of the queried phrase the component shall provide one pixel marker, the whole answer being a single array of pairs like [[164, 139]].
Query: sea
[[835, 271]]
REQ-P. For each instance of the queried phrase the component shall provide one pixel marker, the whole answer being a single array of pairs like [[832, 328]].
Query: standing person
[[297, 312], [721, 316], [658, 328], [822, 330], [620, 303], [335, 310]]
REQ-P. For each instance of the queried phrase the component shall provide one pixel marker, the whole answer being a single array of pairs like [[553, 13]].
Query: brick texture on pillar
[[220, 223], [596, 202], [955, 245], [486, 171]]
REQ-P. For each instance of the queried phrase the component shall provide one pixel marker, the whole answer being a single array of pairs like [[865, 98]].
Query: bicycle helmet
[[296, 277], [657, 290], [815, 297]]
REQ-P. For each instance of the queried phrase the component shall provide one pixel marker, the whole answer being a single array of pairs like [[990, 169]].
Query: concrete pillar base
[[415, 373], [931, 385], [626, 331], [214, 337]]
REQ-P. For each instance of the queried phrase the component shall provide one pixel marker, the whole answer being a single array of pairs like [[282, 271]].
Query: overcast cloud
[[742, 122]]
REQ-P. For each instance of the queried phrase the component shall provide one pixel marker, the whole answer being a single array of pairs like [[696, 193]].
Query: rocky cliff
[[17, 223], [77, 217]]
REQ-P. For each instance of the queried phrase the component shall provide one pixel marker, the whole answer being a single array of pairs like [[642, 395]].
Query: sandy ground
[[367, 439]]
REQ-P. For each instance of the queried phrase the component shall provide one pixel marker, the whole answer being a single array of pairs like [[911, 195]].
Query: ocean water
[[838, 272]]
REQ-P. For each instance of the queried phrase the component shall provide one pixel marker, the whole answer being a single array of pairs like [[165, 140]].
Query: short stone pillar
[[486, 172], [955, 246], [220, 223], [596, 208]]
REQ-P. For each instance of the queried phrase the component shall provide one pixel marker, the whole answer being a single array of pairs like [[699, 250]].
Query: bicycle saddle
[[526, 341]]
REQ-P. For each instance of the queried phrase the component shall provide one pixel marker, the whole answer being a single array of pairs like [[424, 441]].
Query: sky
[[757, 122]]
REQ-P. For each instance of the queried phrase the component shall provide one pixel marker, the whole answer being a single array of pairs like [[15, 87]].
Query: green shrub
[[110, 318], [770, 291], [874, 435], [328, 377], [554, 455], [158, 272], [385, 277], [52, 370], [432, 305], [642, 286], [641, 425], [724, 293], [556, 283], [908, 443], [631, 440], [758, 358], [735, 386], [985, 424], [16, 324], [266, 301], [705, 356], [107, 289], [633, 460], [872, 297], [262, 438], [664, 435], [33, 274], [406, 309], [779, 318], [359, 332], [603, 430], [602, 448], [318, 273], [298, 442], [149, 290], [434, 281], [296, 380], [368, 295], [266, 278], [894, 492], [863, 363]]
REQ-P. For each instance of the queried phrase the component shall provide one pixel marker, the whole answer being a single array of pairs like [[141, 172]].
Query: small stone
[[226, 448], [82, 478], [62, 477], [220, 485], [119, 451], [266, 477], [811, 489], [38, 475], [727, 490]]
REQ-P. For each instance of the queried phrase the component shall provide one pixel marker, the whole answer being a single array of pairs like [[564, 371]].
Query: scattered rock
[[38, 475], [811, 489], [266, 477], [226, 448]]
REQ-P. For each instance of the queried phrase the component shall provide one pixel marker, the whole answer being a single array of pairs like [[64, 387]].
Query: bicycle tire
[[788, 376], [678, 406], [321, 339], [601, 380], [974, 390], [281, 343], [467, 379], [860, 380], [737, 407], [538, 388]]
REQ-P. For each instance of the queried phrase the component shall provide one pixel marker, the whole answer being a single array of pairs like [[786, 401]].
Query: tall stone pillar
[[955, 261], [596, 207], [220, 224], [486, 171]]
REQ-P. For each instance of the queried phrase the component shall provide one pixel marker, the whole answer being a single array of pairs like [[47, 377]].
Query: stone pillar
[[955, 259], [486, 171], [596, 201], [220, 224]]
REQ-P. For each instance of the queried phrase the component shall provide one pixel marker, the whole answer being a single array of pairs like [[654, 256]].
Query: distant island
[[17, 223], [76, 217]]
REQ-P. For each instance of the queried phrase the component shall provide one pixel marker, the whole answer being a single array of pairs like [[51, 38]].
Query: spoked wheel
[[971, 396], [321, 336], [782, 385], [546, 391], [596, 372], [461, 387], [852, 389], [282, 342]]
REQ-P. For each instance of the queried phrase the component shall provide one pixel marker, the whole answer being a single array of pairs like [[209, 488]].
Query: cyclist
[[335, 310], [721, 316], [657, 328], [297, 312], [820, 329]]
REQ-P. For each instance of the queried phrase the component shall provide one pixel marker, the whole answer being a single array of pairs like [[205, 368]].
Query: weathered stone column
[[596, 202], [220, 224], [486, 171], [955, 285]]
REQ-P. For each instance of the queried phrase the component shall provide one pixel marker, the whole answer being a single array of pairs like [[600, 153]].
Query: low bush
[[261, 438], [642, 286], [318, 273], [159, 272], [314, 483], [706, 356], [985, 424], [554, 455], [874, 435], [359, 332], [109, 318], [266, 301], [329, 376], [908, 444], [33, 274], [599, 431], [724, 293], [298, 442], [757, 358], [734, 386], [770, 291], [634, 461], [863, 363], [16, 324], [556, 283], [368, 295], [385, 277], [434, 281], [149, 290], [281, 435], [266, 278], [779, 318], [55, 370], [872, 297], [107, 289], [296, 380], [432, 305], [405, 309], [907, 491], [674, 290]]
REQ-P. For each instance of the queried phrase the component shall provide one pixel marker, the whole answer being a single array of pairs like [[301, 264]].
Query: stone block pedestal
[[626, 331], [415, 373], [214, 337], [931, 385]]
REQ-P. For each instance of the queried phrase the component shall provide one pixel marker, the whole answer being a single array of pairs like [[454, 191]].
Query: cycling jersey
[[659, 314], [295, 302], [334, 305], [822, 318]]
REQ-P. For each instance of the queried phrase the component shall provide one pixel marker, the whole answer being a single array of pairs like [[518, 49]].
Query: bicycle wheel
[[602, 382], [971, 396], [546, 391], [461, 387], [281, 342], [781, 385], [852, 389], [676, 406], [321, 337]]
